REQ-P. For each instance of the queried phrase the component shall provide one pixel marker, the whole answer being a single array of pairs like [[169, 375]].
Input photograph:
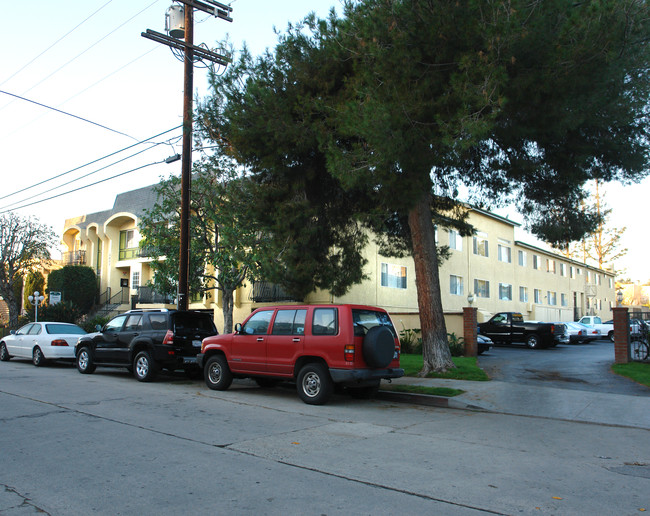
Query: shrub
[[456, 345], [89, 324], [77, 284], [60, 312], [411, 341]]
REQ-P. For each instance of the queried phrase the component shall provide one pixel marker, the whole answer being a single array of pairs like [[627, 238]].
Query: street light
[[619, 297], [35, 300], [470, 299]]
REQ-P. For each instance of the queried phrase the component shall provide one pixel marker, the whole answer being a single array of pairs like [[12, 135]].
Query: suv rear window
[[366, 319], [193, 321]]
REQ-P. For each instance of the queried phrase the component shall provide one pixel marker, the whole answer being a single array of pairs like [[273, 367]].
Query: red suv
[[317, 346]]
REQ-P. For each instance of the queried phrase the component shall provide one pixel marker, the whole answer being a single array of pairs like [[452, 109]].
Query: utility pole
[[190, 52]]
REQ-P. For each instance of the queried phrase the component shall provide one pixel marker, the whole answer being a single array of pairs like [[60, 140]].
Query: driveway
[[571, 366]]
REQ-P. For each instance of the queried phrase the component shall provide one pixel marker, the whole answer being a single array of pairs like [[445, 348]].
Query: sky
[[87, 58]]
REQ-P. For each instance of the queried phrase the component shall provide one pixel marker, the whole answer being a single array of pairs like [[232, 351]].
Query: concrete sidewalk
[[534, 401]]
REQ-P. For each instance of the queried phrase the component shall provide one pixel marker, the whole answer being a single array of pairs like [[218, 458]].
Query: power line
[[55, 43], [83, 187], [85, 175], [90, 163], [66, 113]]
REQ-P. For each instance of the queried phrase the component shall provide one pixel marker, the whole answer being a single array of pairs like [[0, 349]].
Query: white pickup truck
[[596, 322], [606, 328]]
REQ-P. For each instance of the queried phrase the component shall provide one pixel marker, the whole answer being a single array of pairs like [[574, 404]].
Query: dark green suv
[[145, 341]]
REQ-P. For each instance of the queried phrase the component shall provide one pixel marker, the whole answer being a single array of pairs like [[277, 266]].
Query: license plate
[[196, 343]]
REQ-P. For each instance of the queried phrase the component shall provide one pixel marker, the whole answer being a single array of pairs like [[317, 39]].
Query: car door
[[31, 340], [131, 329], [248, 352], [498, 328], [14, 342], [106, 342], [285, 341]]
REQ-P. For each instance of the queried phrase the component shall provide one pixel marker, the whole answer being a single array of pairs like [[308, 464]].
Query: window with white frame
[[538, 296], [535, 261], [550, 265], [578, 271], [456, 285], [610, 283], [588, 276], [599, 279], [552, 298], [600, 304], [481, 244], [481, 288], [562, 269], [393, 276], [504, 251], [455, 240], [522, 258], [505, 292], [135, 279], [572, 272], [564, 299], [523, 294]]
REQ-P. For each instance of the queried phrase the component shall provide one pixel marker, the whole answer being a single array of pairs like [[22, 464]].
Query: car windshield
[[71, 329], [366, 319]]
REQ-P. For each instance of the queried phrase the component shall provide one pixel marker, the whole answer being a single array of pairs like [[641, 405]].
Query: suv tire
[[378, 347], [85, 362], [217, 373], [314, 385], [145, 368]]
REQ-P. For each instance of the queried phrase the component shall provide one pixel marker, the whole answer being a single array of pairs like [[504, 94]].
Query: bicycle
[[639, 348]]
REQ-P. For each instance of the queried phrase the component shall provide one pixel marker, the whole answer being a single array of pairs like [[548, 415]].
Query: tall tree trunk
[[228, 303], [435, 349]]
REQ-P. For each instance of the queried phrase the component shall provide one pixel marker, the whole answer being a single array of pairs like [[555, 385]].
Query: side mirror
[[13, 332], [238, 328], [98, 327]]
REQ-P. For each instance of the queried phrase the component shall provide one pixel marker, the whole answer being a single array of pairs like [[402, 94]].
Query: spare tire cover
[[378, 346]]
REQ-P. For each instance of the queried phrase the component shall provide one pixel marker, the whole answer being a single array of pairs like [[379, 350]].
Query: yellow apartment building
[[490, 270]]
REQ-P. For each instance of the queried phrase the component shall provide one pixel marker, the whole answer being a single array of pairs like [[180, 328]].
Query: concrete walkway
[[534, 401]]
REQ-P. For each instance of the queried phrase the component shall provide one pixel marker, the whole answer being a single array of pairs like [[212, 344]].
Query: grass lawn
[[466, 368], [637, 371]]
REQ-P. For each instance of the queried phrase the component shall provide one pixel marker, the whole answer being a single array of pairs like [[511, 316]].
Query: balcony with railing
[[148, 296], [74, 258], [265, 292]]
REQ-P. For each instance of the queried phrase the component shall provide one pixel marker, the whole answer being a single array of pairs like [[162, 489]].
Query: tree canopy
[[386, 113], [24, 244], [77, 284], [224, 245]]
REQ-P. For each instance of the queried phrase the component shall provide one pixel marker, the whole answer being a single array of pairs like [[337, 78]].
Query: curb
[[416, 399]]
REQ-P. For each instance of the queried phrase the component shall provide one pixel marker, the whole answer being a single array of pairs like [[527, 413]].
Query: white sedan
[[41, 341]]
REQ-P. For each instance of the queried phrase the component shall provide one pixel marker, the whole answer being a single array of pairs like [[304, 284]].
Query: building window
[[135, 279], [505, 292], [523, 294], [481, 288], [505, 253], [481, 244], [393, 276], [578, 271], [562, 269], [535, 261], [610, 282], [599, 280], [588, 276], [456, 285], [572, 272], [552, 298], [128, 244], [600, 304], [538, 296], [522, 258], [550, 265], [455, 240], [564, 300]]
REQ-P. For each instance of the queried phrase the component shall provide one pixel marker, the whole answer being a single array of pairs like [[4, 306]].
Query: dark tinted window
[[115, 324], [158, 321], [289, 322], [193, 321], [133, 323], [325, 321]]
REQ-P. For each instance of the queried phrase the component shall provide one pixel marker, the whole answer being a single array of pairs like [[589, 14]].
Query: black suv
[[144, 341]]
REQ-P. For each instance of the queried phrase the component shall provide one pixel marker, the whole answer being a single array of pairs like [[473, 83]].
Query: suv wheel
[[144, 367], [85, 362], [314, 385], [4, 354], [217, 373], [38, 359]]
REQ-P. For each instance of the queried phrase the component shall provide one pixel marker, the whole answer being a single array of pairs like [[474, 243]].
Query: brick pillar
[[469, 330], [621, 335]]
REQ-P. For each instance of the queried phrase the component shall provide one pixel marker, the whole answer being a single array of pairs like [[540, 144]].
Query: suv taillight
[[169, 338], [348, 352]]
